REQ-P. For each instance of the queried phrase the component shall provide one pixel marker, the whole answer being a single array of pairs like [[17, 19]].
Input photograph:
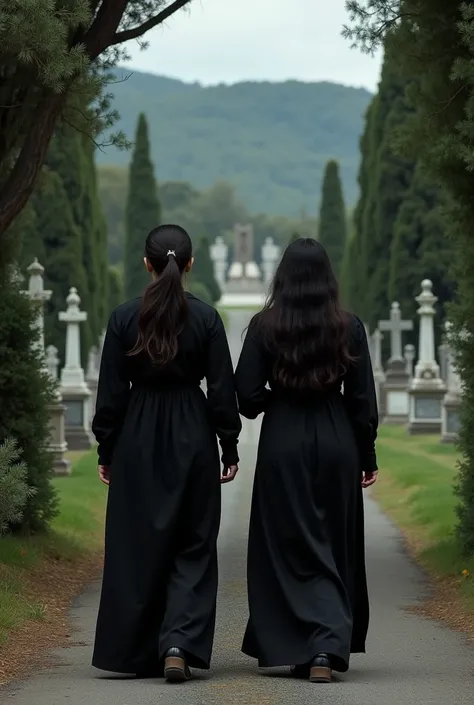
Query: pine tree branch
[[104, 27], [136, 32]]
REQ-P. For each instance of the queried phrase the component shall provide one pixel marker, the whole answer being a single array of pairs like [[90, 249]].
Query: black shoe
[[320, 669], [176, 668]]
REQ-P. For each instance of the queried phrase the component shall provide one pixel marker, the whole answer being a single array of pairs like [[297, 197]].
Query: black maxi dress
[[157, 431], [306, 564]]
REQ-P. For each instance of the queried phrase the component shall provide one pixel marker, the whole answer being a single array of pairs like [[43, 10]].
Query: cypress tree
[[332, 216], [142, 211], [440, 135], [115, 288], [420, 249], [58, 246], [25, 391], [203, 270]]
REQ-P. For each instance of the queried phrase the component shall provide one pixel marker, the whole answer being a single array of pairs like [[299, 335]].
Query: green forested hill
[[270, 140]]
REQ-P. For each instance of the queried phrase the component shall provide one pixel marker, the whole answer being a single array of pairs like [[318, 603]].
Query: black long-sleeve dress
[[157, 431], [306, 563]]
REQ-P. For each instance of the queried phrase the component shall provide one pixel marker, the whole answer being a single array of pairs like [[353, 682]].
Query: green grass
[[76, 531], [416, 488]]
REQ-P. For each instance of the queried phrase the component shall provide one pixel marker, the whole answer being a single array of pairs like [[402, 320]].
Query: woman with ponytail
[[156, 434]]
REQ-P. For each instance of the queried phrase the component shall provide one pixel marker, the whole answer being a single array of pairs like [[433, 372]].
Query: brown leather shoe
[[320, 669], [176, 668]]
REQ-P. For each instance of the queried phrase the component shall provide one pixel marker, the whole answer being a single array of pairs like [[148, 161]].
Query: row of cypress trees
[[68, 234], [397, 237], [142, 214]]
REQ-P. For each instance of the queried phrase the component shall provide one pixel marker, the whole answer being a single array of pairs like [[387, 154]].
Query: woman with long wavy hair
[[156, 434], [306, 566]]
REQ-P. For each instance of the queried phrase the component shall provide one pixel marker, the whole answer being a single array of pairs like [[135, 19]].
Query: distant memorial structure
[[242, 283]]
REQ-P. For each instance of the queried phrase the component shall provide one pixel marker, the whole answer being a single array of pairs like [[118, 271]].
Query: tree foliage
[[203, 270], [14, 489], [435, 45], [332, 216], [142, 212], [26, 393], [56, 56]]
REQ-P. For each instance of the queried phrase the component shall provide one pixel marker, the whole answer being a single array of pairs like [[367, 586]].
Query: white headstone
[[271, 254], [219, 255], [38, 295], [72, 374], [52, 361], [410, 355], [426, 388], [395, 325], [379, 375], [452, 399]]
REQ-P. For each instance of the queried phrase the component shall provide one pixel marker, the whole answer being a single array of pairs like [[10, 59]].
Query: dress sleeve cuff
[[230, 455]]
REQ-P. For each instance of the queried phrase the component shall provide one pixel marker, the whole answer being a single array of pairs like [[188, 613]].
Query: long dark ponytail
[[302, 323], [163, 313]]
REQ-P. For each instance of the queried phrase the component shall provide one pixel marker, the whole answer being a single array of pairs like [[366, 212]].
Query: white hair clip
[[171, 252]]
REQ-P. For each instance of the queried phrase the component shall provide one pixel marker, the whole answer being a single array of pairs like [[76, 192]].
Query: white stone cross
[[38, 295], [395, 326], [72, 374]]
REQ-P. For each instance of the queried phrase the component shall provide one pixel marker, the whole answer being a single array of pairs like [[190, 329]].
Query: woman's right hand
[[368, 478], [228, 473]]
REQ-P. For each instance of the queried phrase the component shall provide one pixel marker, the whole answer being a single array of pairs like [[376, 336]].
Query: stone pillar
[[409, 356], [271, 254], [379, 375], [443, 353], [74, 390], [396, 378], [452, 399], [92, 379], [57, 442], [427, 389], [219, 254]]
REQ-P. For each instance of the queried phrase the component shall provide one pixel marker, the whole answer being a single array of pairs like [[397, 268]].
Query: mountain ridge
[[270, 140]]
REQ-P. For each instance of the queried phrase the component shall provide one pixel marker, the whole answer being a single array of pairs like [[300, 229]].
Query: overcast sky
[[225, 41]]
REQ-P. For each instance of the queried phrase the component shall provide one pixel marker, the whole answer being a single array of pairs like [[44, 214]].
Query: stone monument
[[396, 377], [57, 442], [409, 356], [452, 399], [92, 379], [219, 255], [377, 368], [75, 393], [427, 389], [244, 285], [271, 254]]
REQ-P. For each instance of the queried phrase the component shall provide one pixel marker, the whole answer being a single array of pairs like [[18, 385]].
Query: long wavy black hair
[[164, 308], [302, 323]]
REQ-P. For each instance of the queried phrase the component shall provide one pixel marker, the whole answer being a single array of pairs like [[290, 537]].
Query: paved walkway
[[410, 661]]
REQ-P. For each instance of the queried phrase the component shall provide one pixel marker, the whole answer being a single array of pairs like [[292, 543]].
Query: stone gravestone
[[219, 256], [379, 376], [92, 379], [396, 377], [74, 390], [244, 273], [271, 254], [443, 353], [409, 356], [427, 389], [452, 398], [57, 442]]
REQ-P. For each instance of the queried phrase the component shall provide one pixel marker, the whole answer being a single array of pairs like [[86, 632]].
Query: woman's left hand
[[228, 474], [104, 474]]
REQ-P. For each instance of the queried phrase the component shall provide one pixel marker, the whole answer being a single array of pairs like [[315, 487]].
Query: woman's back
[[191, 364]]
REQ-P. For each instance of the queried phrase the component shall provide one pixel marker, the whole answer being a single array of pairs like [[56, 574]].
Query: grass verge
[[39, 575], [416, 489]]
